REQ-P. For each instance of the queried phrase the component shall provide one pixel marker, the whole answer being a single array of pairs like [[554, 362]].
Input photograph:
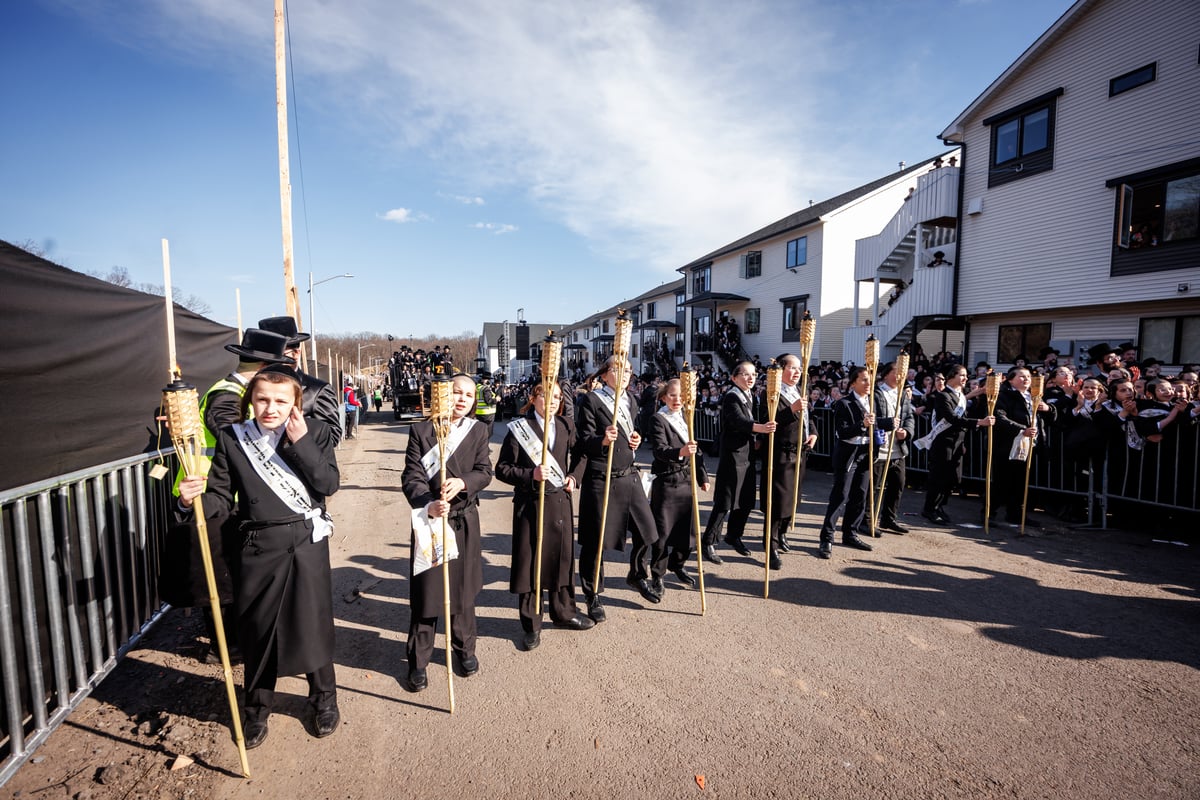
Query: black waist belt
[[677, 474], [260, 524], [617, 473]]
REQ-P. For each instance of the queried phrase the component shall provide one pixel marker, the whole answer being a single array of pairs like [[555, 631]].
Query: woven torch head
[[441, 398], [774, 381], [687, 387], [871, 356], [1037, 384], [551, 361], [622, 334], [181, 407]]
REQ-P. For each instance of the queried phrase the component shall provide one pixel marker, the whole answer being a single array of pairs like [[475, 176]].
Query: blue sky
[[464, 159]]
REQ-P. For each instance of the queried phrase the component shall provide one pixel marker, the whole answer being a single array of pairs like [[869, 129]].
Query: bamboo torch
[[622, 332], [551, 358], [871, 360], [687, 388], [181, 406], [441, 412], [773, 380], [807, 330], [901, 373], [992, 387], [1036, 386]]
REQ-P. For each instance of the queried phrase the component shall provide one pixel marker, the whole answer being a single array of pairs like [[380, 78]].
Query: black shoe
[[595, 611], [936, 517], [469, 665], [255, 732], [826, 550], [710, 555], [856, 542], [418, 681], [658, 587], [531, 640], [325, 720], [893, 527], [783, 545], [644, 589], [736, 543], [577, 624], [775, 560], [684, 578]]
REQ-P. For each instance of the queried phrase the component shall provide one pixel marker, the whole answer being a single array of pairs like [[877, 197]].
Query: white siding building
[[1080, 209], [766, 280]]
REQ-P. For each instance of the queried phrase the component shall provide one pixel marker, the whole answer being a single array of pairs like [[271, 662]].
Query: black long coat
[[671, 492], [627, 503], [471, 462], [786, 454], [321, 402], [735, 469], [282, 583], [948, 446], [515, 467]]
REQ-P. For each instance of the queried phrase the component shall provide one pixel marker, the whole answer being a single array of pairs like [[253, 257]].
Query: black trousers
[[561, 603], [849, 492], [421, 632], [891, 486], [260, 695]]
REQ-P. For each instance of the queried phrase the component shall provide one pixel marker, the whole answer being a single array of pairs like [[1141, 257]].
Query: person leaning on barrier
[[320, 398], [946, 441], [270, 476], [181, 576]]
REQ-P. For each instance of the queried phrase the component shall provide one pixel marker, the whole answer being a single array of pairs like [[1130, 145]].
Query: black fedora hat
[[1099, 351], [260, 345], [284, 326], [1045, 351]]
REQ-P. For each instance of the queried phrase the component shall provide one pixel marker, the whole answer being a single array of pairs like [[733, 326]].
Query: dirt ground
[[946, 663]]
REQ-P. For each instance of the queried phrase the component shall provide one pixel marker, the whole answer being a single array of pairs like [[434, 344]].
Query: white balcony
[[884, 254]]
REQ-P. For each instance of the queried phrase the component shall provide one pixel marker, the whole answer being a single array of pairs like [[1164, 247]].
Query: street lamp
[[312, 320], [360, 349]]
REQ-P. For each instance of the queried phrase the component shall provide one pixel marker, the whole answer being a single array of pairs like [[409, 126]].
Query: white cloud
[[402, 215], [469, 201], [496, 227]]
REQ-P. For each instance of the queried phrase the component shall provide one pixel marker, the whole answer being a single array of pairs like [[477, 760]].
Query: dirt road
[[943, 664]]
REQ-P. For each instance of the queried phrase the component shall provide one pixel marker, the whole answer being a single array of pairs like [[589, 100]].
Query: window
[[680, 299], [701, 279], [1157, 219], [797, 252], [1023, 140], [793, 313], [751, 265], [604, 328], [633, 350], [753, 320], [1132, 80], [1022, 341], [651, 310], [587, 335], [1173, 340]]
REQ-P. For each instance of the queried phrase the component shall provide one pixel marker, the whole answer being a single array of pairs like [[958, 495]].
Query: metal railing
[[79, 558], [1162, 475]]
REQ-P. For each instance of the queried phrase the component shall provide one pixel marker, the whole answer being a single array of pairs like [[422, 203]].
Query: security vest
[[204, 460], [482, 407]]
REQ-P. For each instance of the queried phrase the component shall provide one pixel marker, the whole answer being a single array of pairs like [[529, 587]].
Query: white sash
[[427, 541], [531, 443], [622, 411], [925, 441], [790, 394], [1022, 446], [279, 478], [431, 461], [1133, 440], [675, 421]]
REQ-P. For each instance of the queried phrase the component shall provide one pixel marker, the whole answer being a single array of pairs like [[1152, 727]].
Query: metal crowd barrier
[[1161, 475], [79, 557]]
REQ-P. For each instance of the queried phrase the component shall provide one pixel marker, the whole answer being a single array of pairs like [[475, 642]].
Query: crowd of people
[[415, 368], [272, 432]]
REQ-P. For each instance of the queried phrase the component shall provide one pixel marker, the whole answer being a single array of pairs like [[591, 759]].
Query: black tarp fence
[[82, 367]]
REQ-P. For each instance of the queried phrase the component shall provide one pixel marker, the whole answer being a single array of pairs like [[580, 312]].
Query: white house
[[1080, 208], [765, 281], [512, 348]]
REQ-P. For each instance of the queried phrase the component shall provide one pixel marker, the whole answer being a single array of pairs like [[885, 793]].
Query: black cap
[[284, 326], [260, 345]]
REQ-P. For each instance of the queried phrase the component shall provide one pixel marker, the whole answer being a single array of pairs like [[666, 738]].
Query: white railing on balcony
[[931, 294], [936, 197]]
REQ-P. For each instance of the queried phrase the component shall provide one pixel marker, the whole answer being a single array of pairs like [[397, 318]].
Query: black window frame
[[1176, 355], [751, 264], [792, 263], [701, 279], [1027, 346], [651, 309], [1023, 164], [1154, 252], [757, 326], [793, 311], [1132, 80]]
